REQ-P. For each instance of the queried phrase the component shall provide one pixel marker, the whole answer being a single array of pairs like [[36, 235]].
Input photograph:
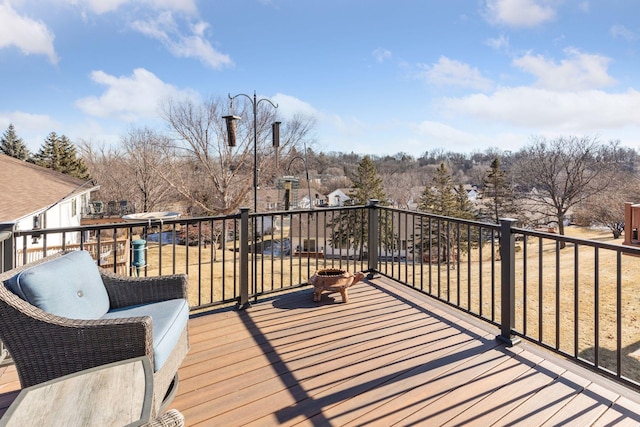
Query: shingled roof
[[26, 188]]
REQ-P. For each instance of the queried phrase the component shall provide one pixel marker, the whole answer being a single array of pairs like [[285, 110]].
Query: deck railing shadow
[[565, 294]]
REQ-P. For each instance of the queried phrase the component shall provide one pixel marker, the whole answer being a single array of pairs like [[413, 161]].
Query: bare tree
[[296, 134], [398, 186], [607, 207], [145, 156], [108, 168], [213, 177], [131, 172], [557, 175]]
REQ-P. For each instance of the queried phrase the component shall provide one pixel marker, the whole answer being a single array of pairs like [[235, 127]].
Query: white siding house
[[337, 198], [36, 197]]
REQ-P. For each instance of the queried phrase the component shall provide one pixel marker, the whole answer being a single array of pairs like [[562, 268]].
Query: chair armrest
[[127, 291], [45, 346]]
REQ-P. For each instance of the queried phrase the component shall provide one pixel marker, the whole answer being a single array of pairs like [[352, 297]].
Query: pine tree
[[367, 184], [439, 239], [499, 200], [59, 154], [464, 207], [439, 198], [12, 145], [350, 227], [76, 166]]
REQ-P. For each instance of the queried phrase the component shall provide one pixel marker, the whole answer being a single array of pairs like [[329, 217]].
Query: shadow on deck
[[390, 356]]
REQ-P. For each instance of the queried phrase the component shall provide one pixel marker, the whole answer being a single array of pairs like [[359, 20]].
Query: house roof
[[26, 188], [343, 191]]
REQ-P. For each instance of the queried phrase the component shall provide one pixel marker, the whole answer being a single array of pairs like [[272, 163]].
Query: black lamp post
[[231, 134], [306, 168]]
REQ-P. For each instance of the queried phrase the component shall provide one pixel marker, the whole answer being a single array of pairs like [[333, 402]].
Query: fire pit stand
[[333, 280]]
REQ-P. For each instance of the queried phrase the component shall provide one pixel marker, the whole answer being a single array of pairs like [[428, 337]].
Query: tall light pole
[[231, 134]]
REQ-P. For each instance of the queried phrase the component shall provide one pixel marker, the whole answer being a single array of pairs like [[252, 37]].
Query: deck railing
[[573, 296]]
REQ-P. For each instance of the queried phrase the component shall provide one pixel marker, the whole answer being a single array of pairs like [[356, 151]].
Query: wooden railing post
[[508, 279], [373, 238], [244, 260]]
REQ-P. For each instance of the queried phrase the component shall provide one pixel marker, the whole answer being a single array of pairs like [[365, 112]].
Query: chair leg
[[171, 393]]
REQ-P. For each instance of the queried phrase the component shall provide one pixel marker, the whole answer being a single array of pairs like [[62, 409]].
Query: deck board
[[388, 357], [391, 356]]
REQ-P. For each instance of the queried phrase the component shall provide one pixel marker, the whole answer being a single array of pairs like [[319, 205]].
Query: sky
[[379, 77]]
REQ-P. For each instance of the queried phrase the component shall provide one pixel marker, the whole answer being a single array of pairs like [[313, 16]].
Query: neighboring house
[[338, 197], [35, 197], [267, 200], [317, 198], [472, 192], [272, 199], [312, 235]]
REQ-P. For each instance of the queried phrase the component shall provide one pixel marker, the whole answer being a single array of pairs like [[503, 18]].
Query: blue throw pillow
[[69, 286]]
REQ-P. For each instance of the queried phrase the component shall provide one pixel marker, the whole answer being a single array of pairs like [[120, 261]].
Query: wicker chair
[[171, 418], [44, 346]]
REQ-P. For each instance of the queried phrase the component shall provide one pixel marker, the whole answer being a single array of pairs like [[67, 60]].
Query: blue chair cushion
[[169, 318], [69, 286]]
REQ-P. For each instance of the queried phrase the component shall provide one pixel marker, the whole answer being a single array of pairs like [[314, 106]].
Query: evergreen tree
[[438, 239], [367, 184], [439, 198], [464, 207], [59, 154], [12, 145], [350, 227], [499, 200]]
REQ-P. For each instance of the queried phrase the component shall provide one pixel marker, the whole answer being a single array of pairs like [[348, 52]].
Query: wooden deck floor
[[388, 357]]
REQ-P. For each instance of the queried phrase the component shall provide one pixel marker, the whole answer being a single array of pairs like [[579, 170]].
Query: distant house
[[312, 236], [268, 200], [36, 197], [472, 192], [337, 197], [311, 197]]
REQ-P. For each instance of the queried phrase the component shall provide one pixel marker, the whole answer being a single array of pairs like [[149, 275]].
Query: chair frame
[[44, 346]]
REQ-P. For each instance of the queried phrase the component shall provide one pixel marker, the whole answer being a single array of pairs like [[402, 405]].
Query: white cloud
[[585, 7], [94, 131], [381, 54], [288, 106], [465, 136], [191, 45], [620, 31], [449, 72], [32, 128], [520, 13], [446, 135], [104, 6], [579, 71], [333, 124], [499, 43], [31, 37], [130, 98], [534, 108]]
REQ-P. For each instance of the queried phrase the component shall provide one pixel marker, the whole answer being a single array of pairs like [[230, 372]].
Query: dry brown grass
[[212, 270], [550, 314], [588, 278]]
